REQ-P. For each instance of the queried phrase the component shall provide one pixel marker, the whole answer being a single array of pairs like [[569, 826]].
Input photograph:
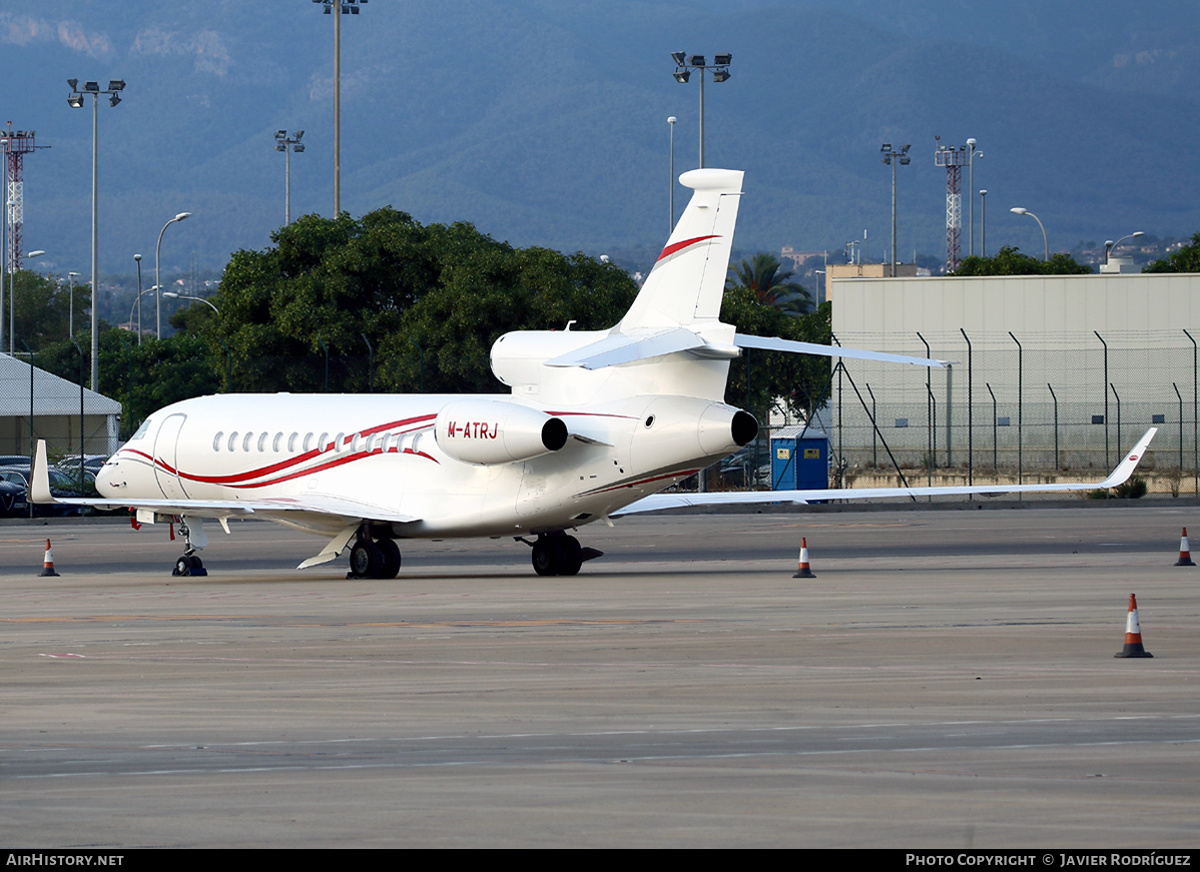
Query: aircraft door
[[166, 451]]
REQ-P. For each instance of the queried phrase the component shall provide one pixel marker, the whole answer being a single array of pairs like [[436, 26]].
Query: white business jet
[[596, 425]]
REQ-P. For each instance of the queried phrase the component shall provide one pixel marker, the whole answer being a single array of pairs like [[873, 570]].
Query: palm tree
[[763, 277]]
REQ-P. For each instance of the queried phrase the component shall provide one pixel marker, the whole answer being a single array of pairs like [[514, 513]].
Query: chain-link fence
[[1035, 403]]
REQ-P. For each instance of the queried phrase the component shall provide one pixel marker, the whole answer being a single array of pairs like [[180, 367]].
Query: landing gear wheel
[[390, 552], [187, 565], [570, 555], [366, 560], [545, 557], [557, 554]]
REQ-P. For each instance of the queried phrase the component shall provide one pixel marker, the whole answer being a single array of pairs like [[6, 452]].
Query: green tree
[[761, 377], [42, 310], [1186, 259], [763, 277], [1009, 261], [430, 300]]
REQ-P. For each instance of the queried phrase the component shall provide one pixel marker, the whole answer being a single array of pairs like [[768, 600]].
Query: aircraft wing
[[277, 506], [659, 502]]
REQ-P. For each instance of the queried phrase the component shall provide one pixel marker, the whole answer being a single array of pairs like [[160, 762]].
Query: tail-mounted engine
[[487, 432]]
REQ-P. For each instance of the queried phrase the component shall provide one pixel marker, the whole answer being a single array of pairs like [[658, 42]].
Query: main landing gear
[[559, 554], [190, 563], [374, 558]]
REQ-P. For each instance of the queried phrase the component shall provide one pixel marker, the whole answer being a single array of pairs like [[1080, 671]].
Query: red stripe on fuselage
[[239, 479]]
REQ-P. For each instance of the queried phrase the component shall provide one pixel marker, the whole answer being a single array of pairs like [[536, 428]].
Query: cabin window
[[324, 442], [292, 442], [217, 440], [278, 443], [246, 441], [339, 442], [308, 438], [262, 443], [233, 439]]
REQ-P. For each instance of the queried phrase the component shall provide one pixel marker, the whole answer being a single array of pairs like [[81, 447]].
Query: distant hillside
[[545, 122]]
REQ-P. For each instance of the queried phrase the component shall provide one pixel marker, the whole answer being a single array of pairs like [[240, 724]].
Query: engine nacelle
[[487, 432]]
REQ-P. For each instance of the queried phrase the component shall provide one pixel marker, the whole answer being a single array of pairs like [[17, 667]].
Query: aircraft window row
[[376, 442]]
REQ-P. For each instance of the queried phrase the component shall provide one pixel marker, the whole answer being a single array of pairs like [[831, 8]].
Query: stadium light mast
[[683, 72], [288, 144], [75, 101], [893, 157], [345, 7]]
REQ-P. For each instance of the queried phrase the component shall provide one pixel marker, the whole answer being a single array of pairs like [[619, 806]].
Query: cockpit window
[[141, 431]]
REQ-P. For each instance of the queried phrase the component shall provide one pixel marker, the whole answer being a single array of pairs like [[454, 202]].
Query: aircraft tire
[[570, 555], [183, 567], [545, 556], [366, 560], [390, 552]]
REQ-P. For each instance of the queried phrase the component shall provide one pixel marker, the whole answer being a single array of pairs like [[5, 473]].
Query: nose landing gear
[[190, 563]]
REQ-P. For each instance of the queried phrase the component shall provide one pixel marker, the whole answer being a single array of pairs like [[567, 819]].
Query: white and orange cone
[[1133, 634], [48, 561], [1185, 551], [803, 570]]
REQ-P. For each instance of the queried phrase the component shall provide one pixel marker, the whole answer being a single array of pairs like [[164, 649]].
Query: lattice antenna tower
[[15, 144], [953, 159]]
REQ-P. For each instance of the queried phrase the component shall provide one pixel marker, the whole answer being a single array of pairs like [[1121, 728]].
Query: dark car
[[61, 485]]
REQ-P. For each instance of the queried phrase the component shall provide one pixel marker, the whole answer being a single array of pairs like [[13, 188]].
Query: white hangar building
[[1047, 371]]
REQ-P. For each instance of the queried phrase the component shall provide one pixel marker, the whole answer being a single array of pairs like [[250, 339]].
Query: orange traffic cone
[[48, 561], [1133, 634], [803, 571], [1185, 551]]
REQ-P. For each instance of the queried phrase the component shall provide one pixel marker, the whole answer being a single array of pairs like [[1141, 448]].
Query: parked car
[[61, 485]]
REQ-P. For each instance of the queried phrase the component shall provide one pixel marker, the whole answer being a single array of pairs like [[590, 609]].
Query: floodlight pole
[[684, 65], [75, 101], [343, 7], [288, 144], [893, 157]]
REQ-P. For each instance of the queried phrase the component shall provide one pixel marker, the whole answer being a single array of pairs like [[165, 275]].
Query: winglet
[[1126, 467], [39, 488]]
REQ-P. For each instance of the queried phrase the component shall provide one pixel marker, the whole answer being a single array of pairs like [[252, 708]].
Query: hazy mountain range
[[544, 121]]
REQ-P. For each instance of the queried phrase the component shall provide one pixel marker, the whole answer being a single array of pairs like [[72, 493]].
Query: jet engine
[[488, 432]]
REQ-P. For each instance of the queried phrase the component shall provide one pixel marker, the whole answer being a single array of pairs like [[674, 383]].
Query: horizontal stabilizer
[[771, 343], [643, 344], [627, 347], [660, 502]]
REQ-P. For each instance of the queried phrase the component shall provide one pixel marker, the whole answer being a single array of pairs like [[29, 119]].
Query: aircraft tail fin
[[688, 279]]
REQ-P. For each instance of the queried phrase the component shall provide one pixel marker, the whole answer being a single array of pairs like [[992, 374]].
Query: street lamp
[[157, 275], [287, 145], [1017, 210], [138, 259], [1110, 247], [683, 71], [671, 224], [172, 295], [75, 101], [137, 304], [983, 222], [347, 7], [971, 187], [893, 157], [71, 276]]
